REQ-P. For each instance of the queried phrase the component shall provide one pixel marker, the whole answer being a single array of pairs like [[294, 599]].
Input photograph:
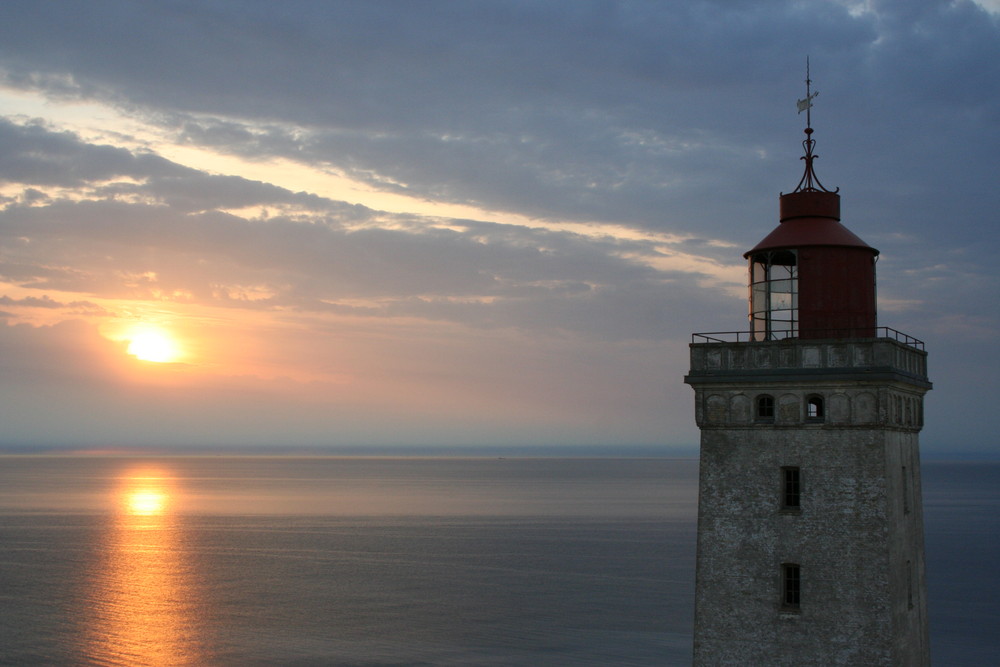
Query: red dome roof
[[810, 218]]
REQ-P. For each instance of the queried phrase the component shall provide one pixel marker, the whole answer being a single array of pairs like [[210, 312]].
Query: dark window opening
[[765, 408], [791, 488], [790, 586], [814, 408]]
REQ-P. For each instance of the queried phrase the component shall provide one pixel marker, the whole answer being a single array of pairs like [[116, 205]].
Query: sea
[[364, 561]]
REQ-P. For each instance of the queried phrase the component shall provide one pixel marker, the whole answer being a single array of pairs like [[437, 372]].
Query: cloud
[[523, 106], [655, 116], [35, 155], [164, 234], [74, 307]]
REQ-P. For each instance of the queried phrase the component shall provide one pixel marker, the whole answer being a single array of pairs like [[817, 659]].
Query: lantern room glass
[[774, 295]]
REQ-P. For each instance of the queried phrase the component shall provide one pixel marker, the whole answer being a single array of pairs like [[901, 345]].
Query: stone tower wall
[[856, 536]]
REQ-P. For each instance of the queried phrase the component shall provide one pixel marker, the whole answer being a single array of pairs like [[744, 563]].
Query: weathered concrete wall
[[858, 533], [868, 354], [859, 403]]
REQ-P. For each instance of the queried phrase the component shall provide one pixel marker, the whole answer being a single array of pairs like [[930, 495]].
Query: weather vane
[[806, 104]]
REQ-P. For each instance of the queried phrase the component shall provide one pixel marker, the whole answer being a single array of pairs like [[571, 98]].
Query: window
[[765, 408], [790, 586], [790, 488], [814, 408], [774, 295]]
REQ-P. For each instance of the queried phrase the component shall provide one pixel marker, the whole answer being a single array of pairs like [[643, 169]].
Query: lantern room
[[811, 277]]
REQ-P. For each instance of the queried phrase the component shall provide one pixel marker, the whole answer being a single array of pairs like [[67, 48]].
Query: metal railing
[[761, 337]]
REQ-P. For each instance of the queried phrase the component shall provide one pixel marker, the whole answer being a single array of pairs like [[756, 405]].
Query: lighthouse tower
[[810, 528]]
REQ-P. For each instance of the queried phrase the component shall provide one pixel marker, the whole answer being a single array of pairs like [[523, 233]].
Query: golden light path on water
[[143, 599]]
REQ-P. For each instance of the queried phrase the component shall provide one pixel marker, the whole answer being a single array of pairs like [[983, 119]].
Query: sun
[[152, 344]]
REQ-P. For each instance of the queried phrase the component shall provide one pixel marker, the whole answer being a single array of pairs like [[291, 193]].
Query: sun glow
[[152, 344], [145, 493], [146, 502]]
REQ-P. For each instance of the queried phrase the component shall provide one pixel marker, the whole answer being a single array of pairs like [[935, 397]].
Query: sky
[[490, 223]]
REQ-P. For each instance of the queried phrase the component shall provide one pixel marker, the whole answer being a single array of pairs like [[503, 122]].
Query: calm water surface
[[356, 561], [238, 561]]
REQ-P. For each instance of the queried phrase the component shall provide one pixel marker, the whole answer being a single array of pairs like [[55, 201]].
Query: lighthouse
[[810, 528]]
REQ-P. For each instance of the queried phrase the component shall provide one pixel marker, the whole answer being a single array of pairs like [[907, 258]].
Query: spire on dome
[[809, 181]]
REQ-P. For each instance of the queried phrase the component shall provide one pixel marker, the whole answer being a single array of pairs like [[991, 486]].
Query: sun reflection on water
[[146, 502], [143, 600]]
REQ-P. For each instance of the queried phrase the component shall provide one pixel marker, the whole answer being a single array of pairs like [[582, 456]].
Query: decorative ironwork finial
[[809, 182]]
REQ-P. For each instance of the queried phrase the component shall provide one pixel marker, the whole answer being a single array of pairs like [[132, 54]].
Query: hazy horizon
[[424, 451]]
